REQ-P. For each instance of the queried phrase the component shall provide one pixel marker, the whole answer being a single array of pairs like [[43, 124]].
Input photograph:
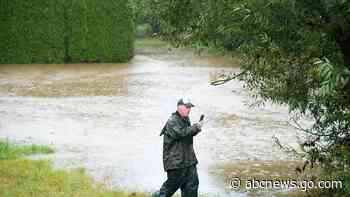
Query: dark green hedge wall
[[57, 31]]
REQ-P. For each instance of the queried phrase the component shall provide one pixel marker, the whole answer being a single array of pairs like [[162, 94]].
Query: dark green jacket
[[178, 149]]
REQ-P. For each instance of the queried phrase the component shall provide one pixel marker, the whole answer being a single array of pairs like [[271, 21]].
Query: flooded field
[[107, 118]]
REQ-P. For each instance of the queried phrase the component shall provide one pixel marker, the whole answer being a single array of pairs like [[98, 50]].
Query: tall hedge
[[57, 31]]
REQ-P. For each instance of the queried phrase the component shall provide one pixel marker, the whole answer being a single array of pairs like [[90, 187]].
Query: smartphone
[[201, 118]]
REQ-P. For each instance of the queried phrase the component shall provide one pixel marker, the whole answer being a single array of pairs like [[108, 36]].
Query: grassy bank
[[151, 44], [9, 151], [195, 56], [23, 177]]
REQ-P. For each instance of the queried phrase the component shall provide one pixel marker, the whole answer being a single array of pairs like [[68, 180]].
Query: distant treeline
[[64, 31]]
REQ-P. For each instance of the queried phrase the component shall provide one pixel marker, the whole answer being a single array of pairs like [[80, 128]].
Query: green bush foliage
[[30, 32], [59, 31]]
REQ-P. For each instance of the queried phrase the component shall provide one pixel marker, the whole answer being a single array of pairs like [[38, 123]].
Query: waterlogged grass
[[311, 193], [8, 150], [62, 80], [103, 87], [264, 171], [23, 177], [150, 43], [277, 171], [194, 56], [257, 170], [154, 47]]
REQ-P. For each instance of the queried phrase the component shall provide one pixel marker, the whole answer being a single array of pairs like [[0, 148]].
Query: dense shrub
[[58, 31]]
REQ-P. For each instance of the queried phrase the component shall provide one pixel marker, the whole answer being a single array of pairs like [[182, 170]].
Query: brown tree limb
[[227, 79]]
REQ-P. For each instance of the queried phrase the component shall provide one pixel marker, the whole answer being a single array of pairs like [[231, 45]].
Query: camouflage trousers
[[184, 178]]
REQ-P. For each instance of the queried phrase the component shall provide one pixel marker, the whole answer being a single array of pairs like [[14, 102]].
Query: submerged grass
[[23, 177], [259, 170], [273, 171]]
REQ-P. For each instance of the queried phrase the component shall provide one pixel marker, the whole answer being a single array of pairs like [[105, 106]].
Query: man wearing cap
[[179, 158]]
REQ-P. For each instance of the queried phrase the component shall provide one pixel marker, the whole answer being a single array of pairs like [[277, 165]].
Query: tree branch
[[227, 79]]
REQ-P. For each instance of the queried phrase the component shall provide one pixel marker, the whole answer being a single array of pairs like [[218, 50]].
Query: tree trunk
[[343, 40]]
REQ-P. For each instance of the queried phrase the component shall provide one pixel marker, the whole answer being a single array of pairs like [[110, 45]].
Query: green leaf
[[236, 9], [246, 17]]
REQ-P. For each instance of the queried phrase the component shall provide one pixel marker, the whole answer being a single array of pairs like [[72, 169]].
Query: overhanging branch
[[226, 79]]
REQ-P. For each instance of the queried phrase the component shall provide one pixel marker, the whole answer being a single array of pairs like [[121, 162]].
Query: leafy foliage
[[294, 52]]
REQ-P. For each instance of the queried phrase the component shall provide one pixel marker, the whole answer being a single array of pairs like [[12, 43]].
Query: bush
[[60, 31], [31, 32]]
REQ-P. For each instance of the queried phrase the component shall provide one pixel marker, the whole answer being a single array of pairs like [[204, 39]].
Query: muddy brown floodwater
[[107, 118]]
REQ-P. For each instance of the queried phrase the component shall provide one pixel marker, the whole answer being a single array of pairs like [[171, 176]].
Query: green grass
[[36, 178], [198, 55], [23, 177], [151, 43], [8, 150]]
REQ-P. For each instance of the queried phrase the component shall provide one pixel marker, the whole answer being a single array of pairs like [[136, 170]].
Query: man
[[179, 158]]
